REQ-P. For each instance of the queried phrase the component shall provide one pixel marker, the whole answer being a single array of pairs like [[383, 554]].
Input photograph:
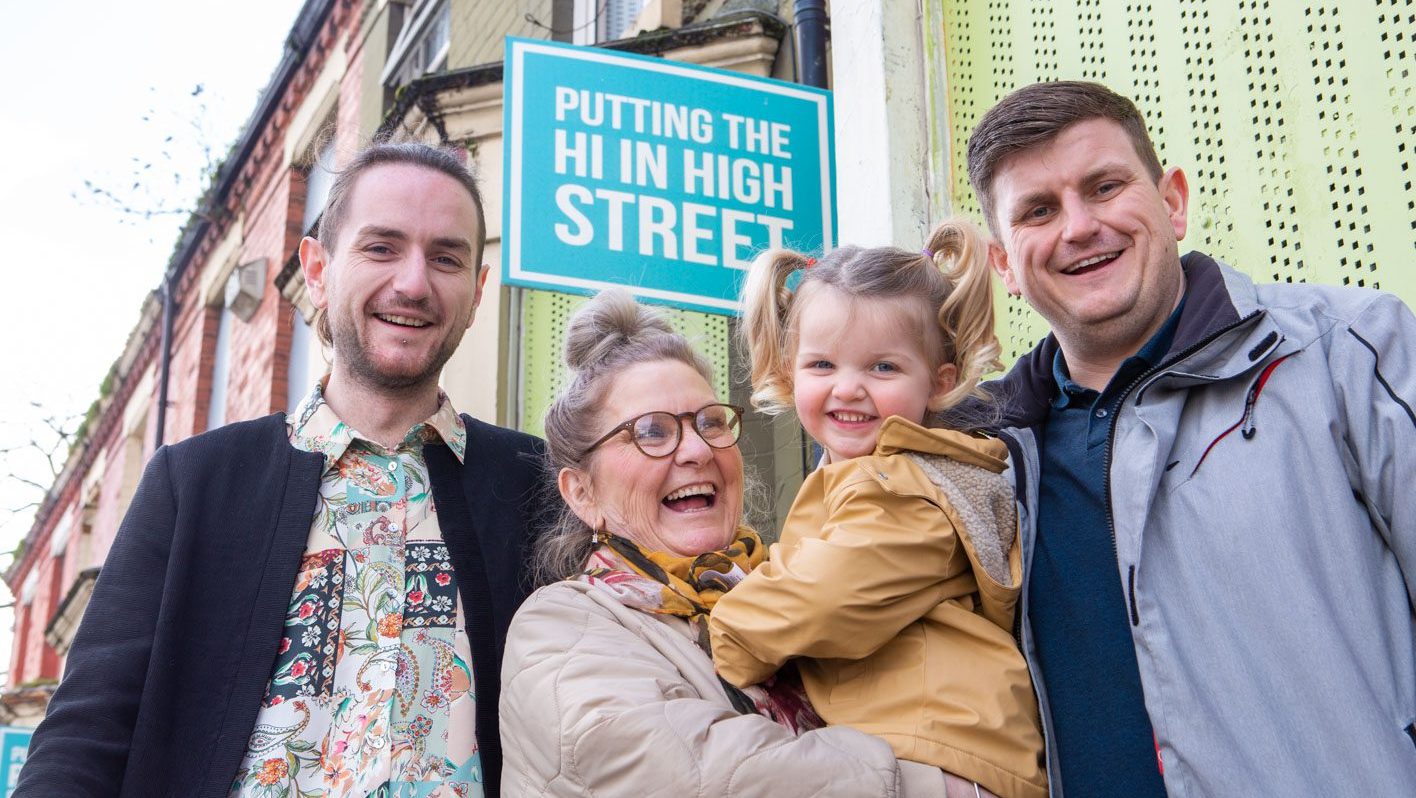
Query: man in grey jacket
[[1217, 482]]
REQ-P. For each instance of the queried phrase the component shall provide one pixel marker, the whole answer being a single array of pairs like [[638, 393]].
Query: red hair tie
[[810, 262]]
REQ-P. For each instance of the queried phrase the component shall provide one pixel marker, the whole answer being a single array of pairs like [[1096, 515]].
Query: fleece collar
[[898, 435]]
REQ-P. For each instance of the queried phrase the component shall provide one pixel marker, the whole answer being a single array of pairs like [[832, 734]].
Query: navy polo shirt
[[1080, 623]]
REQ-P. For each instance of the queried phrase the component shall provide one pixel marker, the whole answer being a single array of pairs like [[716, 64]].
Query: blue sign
[[662, 177], [14, 745]]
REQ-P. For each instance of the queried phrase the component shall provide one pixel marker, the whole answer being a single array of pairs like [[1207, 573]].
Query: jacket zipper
[[1015, 454], [1018, 623], [1110, 519], [1111, 440]]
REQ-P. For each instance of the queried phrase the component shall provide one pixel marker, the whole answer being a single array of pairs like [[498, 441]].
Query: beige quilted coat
[[599, 699]]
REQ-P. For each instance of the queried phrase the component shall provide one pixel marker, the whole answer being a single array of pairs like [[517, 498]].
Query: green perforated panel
[[544, 315], [1294, 121]]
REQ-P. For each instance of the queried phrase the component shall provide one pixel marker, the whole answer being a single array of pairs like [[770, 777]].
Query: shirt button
[[1101, 413], [393, 527], [393, 465]]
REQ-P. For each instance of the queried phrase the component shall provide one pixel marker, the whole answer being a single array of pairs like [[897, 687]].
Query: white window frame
[[299, 367], [318, 183], [422, 18], [221, 358], [592, 20]]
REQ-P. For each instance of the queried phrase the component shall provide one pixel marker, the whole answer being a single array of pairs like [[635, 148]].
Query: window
[[58, 548], [422, 44], [298, 379], [618, 15], [25, 612], [49, 659], [22, 636], [241, 298], [221, 362], [318, 183], [604, 20]]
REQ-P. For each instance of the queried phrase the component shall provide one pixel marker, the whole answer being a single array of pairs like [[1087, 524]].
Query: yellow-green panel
[[544, 316], [1293, 121]]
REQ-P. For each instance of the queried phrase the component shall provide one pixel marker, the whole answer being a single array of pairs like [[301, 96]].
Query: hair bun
[[605, 325]]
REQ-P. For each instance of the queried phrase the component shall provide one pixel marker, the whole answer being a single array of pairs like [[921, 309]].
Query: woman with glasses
[[608, 686]]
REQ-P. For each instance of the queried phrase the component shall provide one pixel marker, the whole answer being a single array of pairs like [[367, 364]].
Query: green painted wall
[[544, 315], [1293, 120]]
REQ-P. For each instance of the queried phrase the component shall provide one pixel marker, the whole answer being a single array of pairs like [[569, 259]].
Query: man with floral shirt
[[316, 605]]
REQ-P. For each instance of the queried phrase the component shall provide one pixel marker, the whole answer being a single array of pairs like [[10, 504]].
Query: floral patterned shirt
[[372, 691]]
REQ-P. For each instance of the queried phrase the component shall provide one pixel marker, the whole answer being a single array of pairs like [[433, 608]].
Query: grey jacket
[[1262, 492]]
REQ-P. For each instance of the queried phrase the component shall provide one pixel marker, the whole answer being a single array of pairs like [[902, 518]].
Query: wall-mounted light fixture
[[245, 287]]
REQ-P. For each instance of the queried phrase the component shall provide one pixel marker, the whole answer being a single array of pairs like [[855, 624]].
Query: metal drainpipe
[[810, 22], [169, 310]]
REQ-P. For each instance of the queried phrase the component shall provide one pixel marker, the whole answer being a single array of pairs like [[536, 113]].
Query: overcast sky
[[93, 91]]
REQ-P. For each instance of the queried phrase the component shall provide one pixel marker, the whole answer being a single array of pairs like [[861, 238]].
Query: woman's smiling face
[[686, 503]]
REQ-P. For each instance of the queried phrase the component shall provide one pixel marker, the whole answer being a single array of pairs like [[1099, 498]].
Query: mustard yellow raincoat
[[896, 581]]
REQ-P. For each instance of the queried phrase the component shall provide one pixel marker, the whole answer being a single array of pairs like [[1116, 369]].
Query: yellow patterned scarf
[[690, 586]]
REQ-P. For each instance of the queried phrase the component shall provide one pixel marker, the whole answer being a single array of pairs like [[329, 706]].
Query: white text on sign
[[633, 166]]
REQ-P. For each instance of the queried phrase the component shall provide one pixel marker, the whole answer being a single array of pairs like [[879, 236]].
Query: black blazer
[[167, 670]]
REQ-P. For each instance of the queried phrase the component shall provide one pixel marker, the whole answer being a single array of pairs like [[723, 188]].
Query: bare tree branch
[[29, 482], [183, 165], [126, 208], [51, 438]]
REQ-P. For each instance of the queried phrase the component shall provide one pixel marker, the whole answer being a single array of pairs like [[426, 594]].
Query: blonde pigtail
[[767, 304], [960, 252]]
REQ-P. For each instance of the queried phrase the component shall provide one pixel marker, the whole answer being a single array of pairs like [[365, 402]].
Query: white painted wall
[[883, 172]]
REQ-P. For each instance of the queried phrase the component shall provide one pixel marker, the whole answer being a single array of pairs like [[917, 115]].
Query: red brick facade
[[262, 206]]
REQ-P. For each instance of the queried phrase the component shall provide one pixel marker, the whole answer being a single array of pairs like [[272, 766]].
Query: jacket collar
[[898, 435], [1026, 391]]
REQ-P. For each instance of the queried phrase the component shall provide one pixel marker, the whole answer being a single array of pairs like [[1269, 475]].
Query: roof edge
[[422, 91]]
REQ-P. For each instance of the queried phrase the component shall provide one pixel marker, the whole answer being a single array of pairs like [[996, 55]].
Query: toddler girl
[[897, 574]]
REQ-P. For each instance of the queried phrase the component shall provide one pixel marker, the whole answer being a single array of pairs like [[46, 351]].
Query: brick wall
[[350, 113], [269, 201], [266, 199], [36, 659], [123, 466], [254, 344], [120, 462], [189, 387]]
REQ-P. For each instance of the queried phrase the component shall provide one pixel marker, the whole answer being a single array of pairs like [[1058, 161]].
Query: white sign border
[[517, 50]]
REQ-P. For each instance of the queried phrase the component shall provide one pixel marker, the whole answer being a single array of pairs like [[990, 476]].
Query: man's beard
[[349, 348]]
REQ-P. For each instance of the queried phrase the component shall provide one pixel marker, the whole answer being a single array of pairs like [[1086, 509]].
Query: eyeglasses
[[658, 434]]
